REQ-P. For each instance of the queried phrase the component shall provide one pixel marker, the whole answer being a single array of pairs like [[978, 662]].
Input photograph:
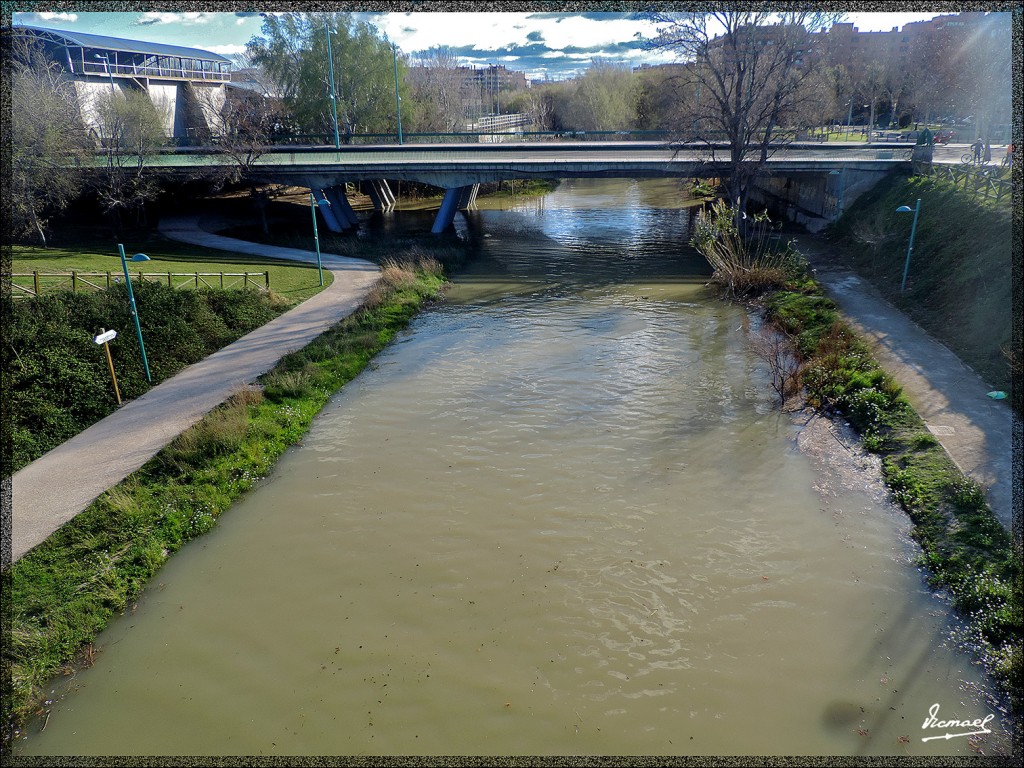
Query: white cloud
[[51, 16], [225, 50], [166, 17]]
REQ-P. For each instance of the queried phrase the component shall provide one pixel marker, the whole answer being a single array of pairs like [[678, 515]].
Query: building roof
[[103, 42]]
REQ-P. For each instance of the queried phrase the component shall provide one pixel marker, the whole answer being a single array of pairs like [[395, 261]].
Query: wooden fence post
[[266, 276], [221, 279], [169, 280], [35, 281], [108, 279], [74, 281]]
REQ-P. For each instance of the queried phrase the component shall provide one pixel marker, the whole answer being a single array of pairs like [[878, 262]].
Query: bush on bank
[[62, 593], [58, 380], [966, 550]]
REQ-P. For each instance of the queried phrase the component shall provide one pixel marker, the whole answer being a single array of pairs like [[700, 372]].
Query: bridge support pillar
[[381, 194], [467, 200], [328, 212], [342, 208], [449, 206]]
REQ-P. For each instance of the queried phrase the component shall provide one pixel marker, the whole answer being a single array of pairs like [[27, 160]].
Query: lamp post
[[334, 98], [134, 311], [849, 117], [910, 247], [313, 202], [841, 173], [398, 99], [106, 66]]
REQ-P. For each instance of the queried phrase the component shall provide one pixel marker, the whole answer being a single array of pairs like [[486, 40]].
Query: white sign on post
[[103, 338]]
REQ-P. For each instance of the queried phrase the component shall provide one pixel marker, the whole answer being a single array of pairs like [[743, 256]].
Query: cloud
[[166, 17], [51, 16], [225, 50]]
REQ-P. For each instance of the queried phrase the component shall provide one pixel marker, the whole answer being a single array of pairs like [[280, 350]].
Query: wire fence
[[27, 284]]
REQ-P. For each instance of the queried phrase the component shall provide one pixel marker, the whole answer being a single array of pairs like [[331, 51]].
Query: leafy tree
[[666, 98], [292, 49], [604, 98], [47, 139], [749, 65]]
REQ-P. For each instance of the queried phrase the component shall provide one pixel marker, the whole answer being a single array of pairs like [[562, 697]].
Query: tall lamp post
[[398, 99], [313, 202], [910, 247], [334, 97]]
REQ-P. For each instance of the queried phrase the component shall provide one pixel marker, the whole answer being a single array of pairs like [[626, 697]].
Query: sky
[[543, 45]]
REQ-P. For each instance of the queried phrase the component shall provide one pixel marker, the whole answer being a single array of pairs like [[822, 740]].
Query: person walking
[[1008, 157]]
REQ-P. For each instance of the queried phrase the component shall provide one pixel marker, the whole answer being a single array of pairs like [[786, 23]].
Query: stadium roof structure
[[84, 54], [120, 44]]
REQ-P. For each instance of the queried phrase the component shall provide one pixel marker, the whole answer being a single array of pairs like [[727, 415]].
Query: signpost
[[105, 338]]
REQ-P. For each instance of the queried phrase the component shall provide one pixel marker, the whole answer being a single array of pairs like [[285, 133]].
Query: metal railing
[[135, 70], [74, 280]]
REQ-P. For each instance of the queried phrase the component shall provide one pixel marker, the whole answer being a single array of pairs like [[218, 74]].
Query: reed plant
[[744, 251]]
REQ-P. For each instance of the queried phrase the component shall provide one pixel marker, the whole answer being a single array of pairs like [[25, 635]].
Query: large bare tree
[[436, 85], [749, 66]]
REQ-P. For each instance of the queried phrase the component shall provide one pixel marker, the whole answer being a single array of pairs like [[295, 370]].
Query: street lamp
[[398, 99], [334, 99], [910, 247], [106, 66], [313, 203], [841, 173]]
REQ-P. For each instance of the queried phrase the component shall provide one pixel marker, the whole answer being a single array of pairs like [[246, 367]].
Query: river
[[557, 516]]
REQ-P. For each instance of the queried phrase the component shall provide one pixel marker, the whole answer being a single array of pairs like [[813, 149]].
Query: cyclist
[[976, 148]]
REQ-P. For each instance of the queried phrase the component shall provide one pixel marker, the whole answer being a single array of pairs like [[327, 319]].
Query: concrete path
[[975, 430], [56, 487]]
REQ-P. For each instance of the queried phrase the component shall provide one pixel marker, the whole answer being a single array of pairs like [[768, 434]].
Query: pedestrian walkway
[[53, 489], [975, 430]]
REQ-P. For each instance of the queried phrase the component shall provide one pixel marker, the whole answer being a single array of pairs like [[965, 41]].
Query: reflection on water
[[558, 516]]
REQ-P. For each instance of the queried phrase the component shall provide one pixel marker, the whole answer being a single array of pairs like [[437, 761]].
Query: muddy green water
[[557, 516]]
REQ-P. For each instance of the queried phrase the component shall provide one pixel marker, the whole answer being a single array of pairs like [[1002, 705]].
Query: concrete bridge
[[813, 180]]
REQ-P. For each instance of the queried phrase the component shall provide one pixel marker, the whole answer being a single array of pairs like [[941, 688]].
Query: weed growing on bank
[[61, 594], [965, 548]]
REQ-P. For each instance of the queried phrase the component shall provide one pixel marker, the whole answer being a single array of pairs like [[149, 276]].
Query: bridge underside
[[810, 178]]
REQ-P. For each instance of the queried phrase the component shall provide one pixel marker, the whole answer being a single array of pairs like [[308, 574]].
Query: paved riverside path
[[57, 486], [975, 430]]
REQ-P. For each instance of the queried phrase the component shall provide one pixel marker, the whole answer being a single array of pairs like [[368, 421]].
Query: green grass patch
[[294, 281], [63, 592], [965, 548]]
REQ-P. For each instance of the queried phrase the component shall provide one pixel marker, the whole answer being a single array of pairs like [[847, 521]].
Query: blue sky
[[554, 44]]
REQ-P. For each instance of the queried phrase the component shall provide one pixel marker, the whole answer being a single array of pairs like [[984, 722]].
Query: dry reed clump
[[279, 385], [399, 275], [744, 264]]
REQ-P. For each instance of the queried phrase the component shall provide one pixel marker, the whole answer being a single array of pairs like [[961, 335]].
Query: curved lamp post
[[334, 96], [313, 203], [398, 99], [910, 247]]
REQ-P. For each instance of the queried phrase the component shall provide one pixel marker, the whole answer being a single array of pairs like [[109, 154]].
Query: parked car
[[944, 137]]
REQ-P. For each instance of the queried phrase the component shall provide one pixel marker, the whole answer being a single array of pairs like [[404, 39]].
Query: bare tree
[[246, 124], [749, 66], [436, 84], [48, 138], [131, 128], [778, 350]]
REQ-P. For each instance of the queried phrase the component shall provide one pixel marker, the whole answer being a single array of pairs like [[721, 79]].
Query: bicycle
[[968, 158]]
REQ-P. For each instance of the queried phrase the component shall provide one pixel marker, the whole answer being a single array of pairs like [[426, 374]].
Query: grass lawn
[[296, 282]]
